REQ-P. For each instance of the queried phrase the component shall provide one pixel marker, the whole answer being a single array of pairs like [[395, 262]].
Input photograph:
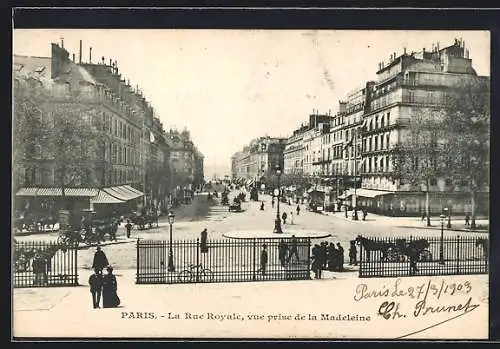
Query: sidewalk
[[457, 224], [222, 310]]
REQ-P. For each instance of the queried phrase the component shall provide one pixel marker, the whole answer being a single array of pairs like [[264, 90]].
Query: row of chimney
[[112, 64]]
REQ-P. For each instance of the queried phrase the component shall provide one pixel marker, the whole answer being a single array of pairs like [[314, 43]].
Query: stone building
[[128, 153], [258, 160]]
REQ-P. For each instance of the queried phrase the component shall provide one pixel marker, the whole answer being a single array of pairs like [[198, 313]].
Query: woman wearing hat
[[109, 297]]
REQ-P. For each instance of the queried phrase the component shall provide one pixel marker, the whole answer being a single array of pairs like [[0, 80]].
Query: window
[[433, 181], [38, 176], [376, 122], [376, 143], [347, 135], [17, 67], [381, 165], [411, 96], [381, 142], [387, 138], [387, 163], [382, 121], [448, 181]]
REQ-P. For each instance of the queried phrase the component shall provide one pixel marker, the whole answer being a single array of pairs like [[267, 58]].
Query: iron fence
[[44, 264], [415, 256], [224, 260]]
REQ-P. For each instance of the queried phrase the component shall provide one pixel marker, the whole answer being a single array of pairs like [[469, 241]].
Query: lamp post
[[277, 193], [171, 267], [447, 212], [441, 257]]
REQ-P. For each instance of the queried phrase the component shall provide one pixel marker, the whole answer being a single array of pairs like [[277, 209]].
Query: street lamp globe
[[171, 217]]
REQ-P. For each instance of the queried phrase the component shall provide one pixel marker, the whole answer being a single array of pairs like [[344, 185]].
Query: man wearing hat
[[100, 259], [263, 259], [96, 281]]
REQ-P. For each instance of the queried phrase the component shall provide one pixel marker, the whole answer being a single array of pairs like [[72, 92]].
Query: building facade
[[121, 151], [353, 153], [257, 161]]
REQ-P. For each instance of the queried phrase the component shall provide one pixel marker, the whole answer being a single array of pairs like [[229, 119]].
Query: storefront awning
[[105, 198], [54, 191], [370, 193], [132, 189], [27, 192], [122, 193]]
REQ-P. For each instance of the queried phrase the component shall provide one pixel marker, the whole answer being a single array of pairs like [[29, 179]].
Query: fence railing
[[44, 264], [224, 260], [416, 256]]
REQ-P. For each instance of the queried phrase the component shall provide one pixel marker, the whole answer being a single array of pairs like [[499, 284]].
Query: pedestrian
[[316, 262], [291, 217], [284, 216], [423, 216], [39, 266], [128, 227], [324, 252], [96, 281], [263, 259], [262, 206], [272, 203], [203, 240], [353, 253], [345, 211], [100, 259], [282, 252], [110, 297], [331, 256], [293, 249], [298, 209], [340, 256], [365, 213], [467, 220]]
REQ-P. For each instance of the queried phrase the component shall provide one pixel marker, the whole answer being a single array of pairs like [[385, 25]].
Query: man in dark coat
[[128, 226], [263, 259], [341, 256], [96, 281], [298, 210], [316, 261], [293, 249], [203, 241], [282, 252], [100, 259], [353, 253], [284, 217]]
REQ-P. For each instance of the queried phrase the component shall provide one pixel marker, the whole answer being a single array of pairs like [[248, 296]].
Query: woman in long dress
[[109, 297]]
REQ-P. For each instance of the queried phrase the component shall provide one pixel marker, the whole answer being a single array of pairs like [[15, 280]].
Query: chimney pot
[[90, 54], [103, 59], [73, 57], [404, 50], [110, 62], [62, 42]]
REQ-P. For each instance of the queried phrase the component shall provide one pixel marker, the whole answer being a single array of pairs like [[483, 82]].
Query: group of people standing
[[327, 257], [104, 285]]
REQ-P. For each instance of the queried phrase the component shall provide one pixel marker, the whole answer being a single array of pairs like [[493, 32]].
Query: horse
[[484, 244], [373, 245]]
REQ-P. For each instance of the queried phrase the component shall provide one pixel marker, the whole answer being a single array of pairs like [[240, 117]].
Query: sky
[[230, 86]]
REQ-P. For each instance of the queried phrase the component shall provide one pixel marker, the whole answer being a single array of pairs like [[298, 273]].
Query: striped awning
[[104, 198], [81, 192], [123, 193], [134, 190], [27, 192], [50, 192]]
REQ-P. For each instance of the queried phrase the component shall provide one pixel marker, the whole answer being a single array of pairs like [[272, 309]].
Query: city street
[[193, 218]]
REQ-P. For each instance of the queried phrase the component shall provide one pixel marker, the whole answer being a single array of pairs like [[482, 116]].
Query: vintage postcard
[[312, 184]]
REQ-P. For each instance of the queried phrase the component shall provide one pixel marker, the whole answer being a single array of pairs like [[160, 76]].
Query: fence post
[[137, 262], [308, 258], [458, 254], [76, 264], [253, 260], [360, 274], [197, 259]]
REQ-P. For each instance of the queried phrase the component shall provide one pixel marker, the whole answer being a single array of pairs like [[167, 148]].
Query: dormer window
[[17, 67], [39, 69]]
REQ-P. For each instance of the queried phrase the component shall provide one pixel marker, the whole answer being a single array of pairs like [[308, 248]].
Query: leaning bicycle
[[196, 273]]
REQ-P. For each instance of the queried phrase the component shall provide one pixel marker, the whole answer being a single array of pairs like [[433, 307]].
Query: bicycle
[[189, 274]]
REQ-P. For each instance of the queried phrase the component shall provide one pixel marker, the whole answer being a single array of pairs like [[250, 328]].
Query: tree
[[467, 120], [66, 130], [417, 159]]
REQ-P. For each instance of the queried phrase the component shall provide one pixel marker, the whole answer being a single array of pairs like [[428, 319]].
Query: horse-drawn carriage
[[94, 233], [235, 206], [143, 220]]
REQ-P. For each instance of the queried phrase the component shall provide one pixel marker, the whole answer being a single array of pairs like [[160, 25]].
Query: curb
[[448, 229]]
